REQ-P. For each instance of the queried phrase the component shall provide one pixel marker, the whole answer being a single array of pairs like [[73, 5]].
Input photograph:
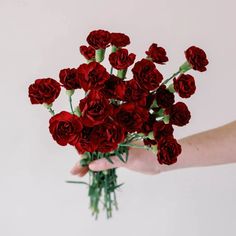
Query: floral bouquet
[[116, 110]]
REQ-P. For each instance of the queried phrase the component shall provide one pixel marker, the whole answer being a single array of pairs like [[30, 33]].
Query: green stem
[[71, 107], [111, 71], [175, 74], [102, 184], [115, 201], [99, 54], [132, 145], [121, 73], [76, 182]]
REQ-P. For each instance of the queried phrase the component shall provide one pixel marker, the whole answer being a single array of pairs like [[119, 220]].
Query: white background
[[37, 39]]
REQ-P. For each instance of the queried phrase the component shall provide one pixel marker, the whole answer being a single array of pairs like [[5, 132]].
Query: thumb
[[78, 169]]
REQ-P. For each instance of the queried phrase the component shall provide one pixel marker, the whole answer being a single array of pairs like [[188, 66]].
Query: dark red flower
[[147, 126], [87, 52], [179, 114], [92, 75], [87, 142], [44, 91], [130, 91], [99, 39], [157, 54], [149, 100], [109, 134], [95, 108], [160, 130], [164, 97], [184, 85], [149, 142], [65, 128], [131, 116], [197, 58], [168, 150], [146, 74], [69, 79], [112, 87], [121, 59], [119, 40]]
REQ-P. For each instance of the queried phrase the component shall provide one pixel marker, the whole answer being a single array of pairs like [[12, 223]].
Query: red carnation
[[87, 52], [87, 142], [149, 142], [99, 39], [146, 74], [157, 54], [44, 91], [130, 91], [112, 87], [148, 125], [160, 130], [197, 58], [168, 150], [109, 135], [131, 116], [164, 97], [95, 108], [69, 79], [119, 40], [149, 100], [184, 85], [65, 128], [92, 75], [121, 59], [179, 114]]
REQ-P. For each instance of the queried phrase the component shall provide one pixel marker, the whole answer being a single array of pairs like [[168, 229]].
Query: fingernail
[[74, 170]]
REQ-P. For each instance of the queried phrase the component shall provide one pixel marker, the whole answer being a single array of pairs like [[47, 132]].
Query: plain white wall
[[37, 39]]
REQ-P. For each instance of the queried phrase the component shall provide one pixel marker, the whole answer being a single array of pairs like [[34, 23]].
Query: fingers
[[97, 165], [79, 170], [83, 171], [103, 164]]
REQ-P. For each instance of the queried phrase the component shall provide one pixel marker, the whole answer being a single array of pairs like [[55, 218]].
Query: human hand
[[140, 160]]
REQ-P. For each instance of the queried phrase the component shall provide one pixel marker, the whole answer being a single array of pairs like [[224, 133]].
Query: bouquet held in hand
[[116, 111]]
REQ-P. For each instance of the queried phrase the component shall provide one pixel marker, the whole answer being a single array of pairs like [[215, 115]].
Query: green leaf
[[76, 182], [109, 159], [120, 157], [166, 119], [118, 186]]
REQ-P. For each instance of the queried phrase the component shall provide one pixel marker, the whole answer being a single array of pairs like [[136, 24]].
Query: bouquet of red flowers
[[116, 111]]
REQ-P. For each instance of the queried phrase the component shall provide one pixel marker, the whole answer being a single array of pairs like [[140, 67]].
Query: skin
[[212, 147]]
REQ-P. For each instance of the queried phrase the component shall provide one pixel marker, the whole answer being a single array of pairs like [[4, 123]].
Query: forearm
[[212, 147]]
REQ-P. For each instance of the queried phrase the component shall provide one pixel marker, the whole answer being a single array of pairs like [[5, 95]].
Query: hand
[[140, 160]]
